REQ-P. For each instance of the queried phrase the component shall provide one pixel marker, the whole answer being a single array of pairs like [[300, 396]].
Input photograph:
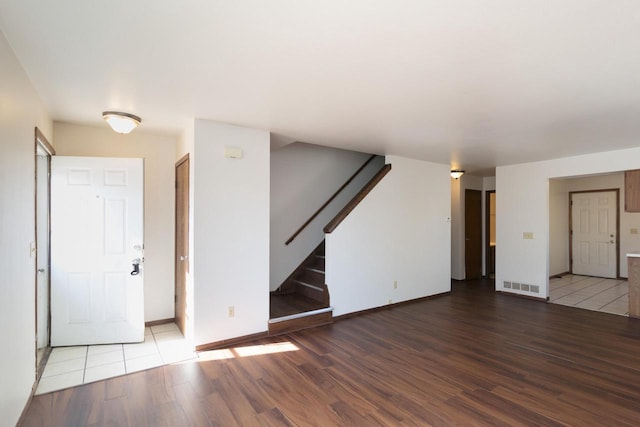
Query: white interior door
[[96, 237], [594, 231]]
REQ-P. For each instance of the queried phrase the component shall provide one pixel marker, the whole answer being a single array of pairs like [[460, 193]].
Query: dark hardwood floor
[[469, 358]]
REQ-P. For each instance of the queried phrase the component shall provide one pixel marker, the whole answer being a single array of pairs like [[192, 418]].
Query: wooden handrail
[[307, 222], [357, 199]]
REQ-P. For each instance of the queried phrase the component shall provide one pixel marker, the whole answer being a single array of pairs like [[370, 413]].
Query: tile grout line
[[614, 300], [127, 369], [153, 335], [598, 293], [590, 296], [617, 285], [84, 371], [124, 360], [572, 282]]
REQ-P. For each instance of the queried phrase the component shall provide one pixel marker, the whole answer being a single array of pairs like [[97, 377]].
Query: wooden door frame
[[41, 142], [487, 233], [571, 193], [182, 160], [466, 190]]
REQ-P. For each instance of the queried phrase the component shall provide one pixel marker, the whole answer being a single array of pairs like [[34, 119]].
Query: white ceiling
[[474, 83]]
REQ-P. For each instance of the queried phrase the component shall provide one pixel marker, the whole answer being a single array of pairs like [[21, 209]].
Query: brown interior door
[[473, 234], [182, 241]]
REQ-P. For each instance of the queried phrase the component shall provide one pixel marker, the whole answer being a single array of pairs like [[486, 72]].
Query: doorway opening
[[490, 233], [473, 234], [593, 230], [585, 241], [182, 243], [43, 152]]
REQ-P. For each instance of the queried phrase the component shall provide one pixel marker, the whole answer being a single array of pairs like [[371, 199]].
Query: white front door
[[594, 231], [96, 238]]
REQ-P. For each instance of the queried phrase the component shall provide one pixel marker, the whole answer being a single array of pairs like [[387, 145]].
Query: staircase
[[309, 278], [302, 301]]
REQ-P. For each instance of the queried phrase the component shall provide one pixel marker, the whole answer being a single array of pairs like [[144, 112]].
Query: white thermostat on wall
[[233, 152]]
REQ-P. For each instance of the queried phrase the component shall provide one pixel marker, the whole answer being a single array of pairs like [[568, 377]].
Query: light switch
[[233, 152], [527, 235], [634, 231]]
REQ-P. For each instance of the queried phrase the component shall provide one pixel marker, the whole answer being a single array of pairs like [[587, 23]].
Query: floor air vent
[[534, 289]]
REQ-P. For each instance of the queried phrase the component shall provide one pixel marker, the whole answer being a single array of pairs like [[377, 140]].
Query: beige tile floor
[[71, 366], [591, 293]]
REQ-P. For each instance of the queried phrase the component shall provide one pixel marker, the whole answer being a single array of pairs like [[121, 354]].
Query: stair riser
[[313, 278], [301, 323], [311, 293], [318, 264]]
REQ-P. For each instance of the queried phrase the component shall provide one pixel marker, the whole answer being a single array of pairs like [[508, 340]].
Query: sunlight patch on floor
[[248, 351]]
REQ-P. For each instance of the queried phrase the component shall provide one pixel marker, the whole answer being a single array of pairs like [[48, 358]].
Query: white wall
[[303, 177], [21, 110], [231, 232], [523, 205], [400, 232], [559, 219], [458, 187], [159, 159]]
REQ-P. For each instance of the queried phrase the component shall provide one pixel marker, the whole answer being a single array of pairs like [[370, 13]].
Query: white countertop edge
[[633, 255]]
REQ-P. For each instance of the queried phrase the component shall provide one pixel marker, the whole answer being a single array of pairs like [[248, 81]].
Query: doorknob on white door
[[41, 270], [136, 266]]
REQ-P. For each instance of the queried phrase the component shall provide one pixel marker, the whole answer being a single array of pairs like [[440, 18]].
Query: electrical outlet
[[389, 302], [527, 235], [634, 231], [395, 284], [232, 311]]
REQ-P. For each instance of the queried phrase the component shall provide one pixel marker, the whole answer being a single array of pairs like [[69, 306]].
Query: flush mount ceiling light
[[456, 173], [121, 122]]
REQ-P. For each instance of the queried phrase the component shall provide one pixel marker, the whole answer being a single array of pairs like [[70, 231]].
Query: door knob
[[136, 266], [41, 270], [183, 258]]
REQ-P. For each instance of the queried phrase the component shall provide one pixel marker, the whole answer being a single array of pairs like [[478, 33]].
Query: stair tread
[[309, 285], [315, 270]]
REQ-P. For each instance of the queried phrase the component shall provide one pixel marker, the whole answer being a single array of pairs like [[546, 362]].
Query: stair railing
[[342, 215], [307, 222]]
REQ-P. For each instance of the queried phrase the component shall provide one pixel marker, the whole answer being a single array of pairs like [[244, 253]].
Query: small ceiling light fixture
[[121, 122], [456, 173]]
